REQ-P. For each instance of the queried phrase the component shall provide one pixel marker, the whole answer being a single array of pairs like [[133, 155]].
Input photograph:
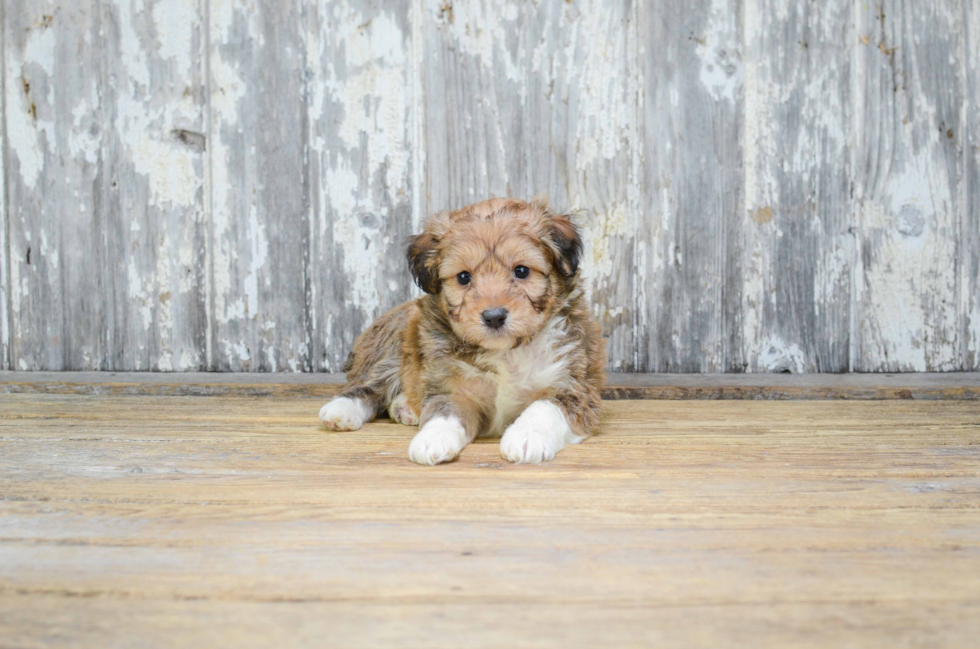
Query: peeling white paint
[[173, 21], [908, 215], [133, 56], [600, 235], [595, 52], [84, 139], [259, 255], [40, 49], [417, 139], [757, 144], [718, 48], [227, 93], [366, 77], [372, 94], [358, 242], [795, 145], [775, 355], [4, 251], [367, 106], [50, 253], [24, 129], [480, 28], [153, 98], [145, 131]]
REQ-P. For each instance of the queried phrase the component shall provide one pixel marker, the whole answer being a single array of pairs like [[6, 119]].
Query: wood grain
[[362, 100], [155, 144], [55, 179], [970, 262], [222, 521], [259, 252], [4, 248], [689, 270], [796, 241], [226, 185], [581, 65], [908, 105], [473, 90]]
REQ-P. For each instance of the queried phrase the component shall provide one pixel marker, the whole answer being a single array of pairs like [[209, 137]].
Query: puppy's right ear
[[423, 261]]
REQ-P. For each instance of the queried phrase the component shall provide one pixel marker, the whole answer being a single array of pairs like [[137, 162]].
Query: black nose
[[495, 318]]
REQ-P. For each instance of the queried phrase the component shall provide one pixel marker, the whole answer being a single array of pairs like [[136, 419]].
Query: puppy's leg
[[447, 427], [402, 412], [373, 373], [348, 412], [537, 434], [440, 440], [548, 425]]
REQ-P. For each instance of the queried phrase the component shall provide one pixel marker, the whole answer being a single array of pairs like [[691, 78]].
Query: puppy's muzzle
[[495, 318]]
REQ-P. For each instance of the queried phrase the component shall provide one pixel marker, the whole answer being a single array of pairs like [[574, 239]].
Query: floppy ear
[[565, 243], [423, 261]]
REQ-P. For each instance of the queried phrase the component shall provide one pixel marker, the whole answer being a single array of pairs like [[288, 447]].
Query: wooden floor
[[159, 521]]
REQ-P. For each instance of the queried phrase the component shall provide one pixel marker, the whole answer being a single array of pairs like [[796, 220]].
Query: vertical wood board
[[581, 106], [154, 168], [259, 203], [970, 236], [4, 260], [474, 101], [907, 181], [361, 106], [688, 261], [54, 169], [796, 243]]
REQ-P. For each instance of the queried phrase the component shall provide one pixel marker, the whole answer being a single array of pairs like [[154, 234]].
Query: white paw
[[440, 440], [344, 413], [401, 412], [537, 435]]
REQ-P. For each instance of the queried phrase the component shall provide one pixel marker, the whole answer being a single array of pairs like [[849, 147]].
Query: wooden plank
[[970, 237], [54, 184], [472, 85], [581, 125], [361, 167], [796, 237], [259, 186], [947, 386], [688, 250], [154, 208], [463, 624], [908, 103], [4, 258], [218, 521]]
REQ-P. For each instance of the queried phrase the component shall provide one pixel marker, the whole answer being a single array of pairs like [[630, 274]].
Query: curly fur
[[458, 376]]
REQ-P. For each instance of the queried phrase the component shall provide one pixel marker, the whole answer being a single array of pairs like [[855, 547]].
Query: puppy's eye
[[521, 272], [464, 278]]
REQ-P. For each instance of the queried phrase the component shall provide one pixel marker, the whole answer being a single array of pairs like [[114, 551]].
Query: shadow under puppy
[[501, 343]]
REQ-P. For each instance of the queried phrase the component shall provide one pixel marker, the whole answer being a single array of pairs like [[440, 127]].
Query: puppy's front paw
[[344, 413], [401, 412], [440, 440], [537, 435]]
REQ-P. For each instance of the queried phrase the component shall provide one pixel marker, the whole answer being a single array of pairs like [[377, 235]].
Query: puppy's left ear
[[565, 243], [423, 261]]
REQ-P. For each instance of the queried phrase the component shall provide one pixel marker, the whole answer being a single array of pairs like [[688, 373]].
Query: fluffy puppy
[[501, 342]]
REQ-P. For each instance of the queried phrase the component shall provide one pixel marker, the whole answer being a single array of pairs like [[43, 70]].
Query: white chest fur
[[520, 374]]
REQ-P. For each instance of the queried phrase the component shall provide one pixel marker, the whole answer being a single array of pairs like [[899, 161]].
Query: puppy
[[501, 343]]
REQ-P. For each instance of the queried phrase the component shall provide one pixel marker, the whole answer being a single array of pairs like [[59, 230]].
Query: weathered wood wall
[[764, 185]]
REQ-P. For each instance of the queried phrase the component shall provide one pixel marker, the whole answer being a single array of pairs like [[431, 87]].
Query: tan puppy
[[502, 342]]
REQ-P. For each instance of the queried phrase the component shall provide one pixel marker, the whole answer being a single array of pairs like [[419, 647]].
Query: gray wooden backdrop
[[764, 185]]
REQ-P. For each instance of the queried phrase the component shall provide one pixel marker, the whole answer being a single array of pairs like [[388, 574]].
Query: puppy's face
[[501, 268]]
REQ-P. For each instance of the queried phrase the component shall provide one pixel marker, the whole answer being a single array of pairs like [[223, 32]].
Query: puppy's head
[[501, 268]]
